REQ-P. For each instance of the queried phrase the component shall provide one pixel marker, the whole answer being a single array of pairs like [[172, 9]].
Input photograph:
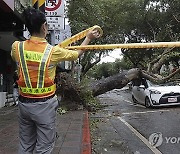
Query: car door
[[138, 90], [135, 92], [141, 94], [141, 91]]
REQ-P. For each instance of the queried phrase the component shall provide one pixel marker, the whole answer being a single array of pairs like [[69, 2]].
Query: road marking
[[143, 112], [142, 138], [131, 103]]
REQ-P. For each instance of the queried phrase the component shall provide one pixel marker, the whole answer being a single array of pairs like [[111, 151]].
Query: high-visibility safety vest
[[34, 81]]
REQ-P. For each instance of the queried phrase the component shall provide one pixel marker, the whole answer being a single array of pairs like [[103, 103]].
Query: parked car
[[152, 95]]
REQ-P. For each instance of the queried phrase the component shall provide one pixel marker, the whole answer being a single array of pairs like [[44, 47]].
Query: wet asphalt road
[[124, 128]]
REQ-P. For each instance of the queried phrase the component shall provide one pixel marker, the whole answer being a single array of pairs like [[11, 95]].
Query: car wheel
[[134, 100], [147, 102]]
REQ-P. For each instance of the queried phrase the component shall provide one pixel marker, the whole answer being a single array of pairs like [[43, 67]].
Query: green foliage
[[127, 21], [122, 64], [90, 102], [102, 71], [62, 110], [108, 69]]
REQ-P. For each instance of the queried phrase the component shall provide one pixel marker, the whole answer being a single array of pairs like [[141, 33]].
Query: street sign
[[55, 23], [59, 36], [54, 8]]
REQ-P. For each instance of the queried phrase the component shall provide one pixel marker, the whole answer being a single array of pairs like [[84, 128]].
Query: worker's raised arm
[[92, 34]]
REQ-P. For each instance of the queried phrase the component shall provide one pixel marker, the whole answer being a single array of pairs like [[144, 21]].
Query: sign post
[[54, 11], [55, 23]]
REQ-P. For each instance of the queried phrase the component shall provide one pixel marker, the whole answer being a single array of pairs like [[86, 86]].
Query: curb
[[86, 138]]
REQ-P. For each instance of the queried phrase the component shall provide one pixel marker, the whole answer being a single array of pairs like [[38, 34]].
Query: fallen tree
[[85, 94], [146, 27]]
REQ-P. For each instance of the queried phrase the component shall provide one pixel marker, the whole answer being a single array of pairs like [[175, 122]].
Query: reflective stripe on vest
[[42, 58], [38, 90], [24, 66], [42, 66]]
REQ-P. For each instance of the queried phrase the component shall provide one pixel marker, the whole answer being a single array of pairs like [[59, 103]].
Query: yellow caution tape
[[67, 42], [79, 36], [128, 45]]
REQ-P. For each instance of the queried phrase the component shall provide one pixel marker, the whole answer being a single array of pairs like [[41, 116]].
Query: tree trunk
[[76, 93], [73, 92], [113, 82]]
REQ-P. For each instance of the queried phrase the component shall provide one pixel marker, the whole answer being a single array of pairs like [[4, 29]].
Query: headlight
[[155, 92]]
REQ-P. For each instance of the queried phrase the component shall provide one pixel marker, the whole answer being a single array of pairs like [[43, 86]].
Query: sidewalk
[[73, 135]]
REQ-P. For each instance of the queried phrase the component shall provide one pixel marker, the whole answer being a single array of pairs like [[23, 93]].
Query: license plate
[[172, 99]]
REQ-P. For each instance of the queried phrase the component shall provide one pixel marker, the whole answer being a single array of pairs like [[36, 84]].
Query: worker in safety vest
[[36, 61]]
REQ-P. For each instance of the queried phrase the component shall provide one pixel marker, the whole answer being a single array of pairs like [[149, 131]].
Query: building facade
[[11, 29]]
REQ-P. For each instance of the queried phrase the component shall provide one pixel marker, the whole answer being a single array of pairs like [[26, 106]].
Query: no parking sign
[[54, 8]]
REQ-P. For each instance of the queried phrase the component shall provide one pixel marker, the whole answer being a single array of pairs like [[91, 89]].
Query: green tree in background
[[108, 69], [126, 21]]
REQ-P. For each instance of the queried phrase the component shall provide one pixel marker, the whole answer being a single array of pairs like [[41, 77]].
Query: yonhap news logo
[[156, 139]]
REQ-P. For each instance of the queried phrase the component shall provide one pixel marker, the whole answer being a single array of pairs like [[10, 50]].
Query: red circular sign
[[55, 5]]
